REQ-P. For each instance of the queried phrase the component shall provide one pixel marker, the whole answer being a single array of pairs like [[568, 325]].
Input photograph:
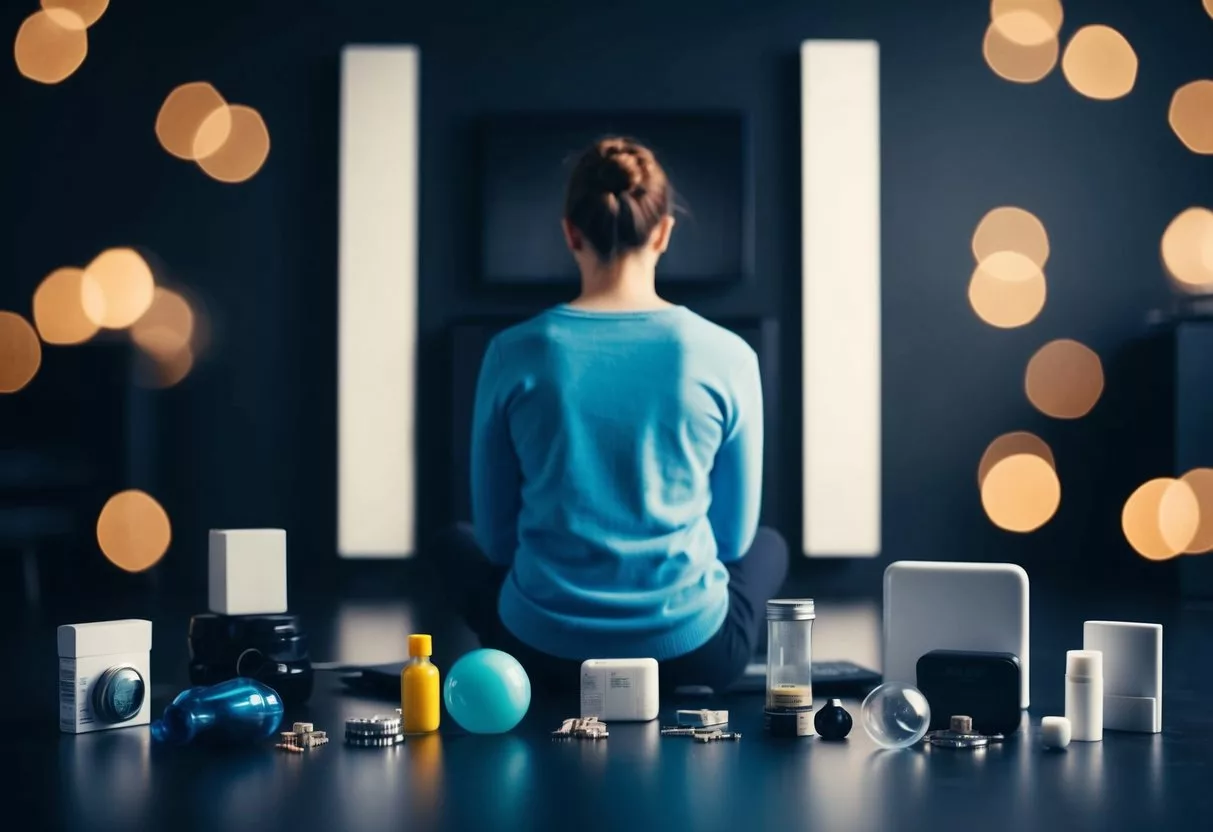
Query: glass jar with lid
[[789, 703]]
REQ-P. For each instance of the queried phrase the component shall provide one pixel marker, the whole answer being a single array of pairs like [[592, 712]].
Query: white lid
[[1084, 664]]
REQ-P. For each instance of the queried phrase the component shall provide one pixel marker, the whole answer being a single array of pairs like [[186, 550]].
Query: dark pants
[[473, 584]]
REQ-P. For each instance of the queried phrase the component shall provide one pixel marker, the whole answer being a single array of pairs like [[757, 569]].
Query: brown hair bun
[[617, 195]]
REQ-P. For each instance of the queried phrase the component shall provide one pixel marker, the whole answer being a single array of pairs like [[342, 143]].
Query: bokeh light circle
[[1191, 116], [182, 115], [167, 326], [1019, 63], [59, 307], [1187, 249], [1099, 63], [1161, 518], [1012, 444], [172, 370], [20, 352], [1027, 22], [85, 12], [50, 46], [124, 280], [133, 531], [1007, 290], [1200, 480], [243, 153], [1064, 379], [1008, 228], [1021, 493]]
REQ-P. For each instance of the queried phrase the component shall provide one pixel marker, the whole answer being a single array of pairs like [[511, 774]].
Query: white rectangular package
[[1132, 672], [247, 571], [105, 676], [619, 690]]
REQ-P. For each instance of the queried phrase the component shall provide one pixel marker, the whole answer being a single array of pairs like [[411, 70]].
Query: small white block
[[1055, 732], [247, 574]]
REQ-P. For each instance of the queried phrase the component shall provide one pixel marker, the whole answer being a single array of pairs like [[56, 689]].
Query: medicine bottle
[[1084, 694], [789, 704], [420, 693]]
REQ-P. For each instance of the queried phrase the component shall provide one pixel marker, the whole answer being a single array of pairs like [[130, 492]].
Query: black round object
[[833, 722], [273, 649], [118, 694]]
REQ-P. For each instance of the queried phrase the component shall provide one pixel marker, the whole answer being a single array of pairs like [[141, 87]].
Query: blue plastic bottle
[[238, 710]]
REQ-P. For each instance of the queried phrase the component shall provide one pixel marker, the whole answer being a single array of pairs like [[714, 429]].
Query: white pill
[[1055, 731]]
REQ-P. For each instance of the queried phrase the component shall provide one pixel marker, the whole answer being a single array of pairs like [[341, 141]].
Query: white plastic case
[[619, 690], [935, 605]]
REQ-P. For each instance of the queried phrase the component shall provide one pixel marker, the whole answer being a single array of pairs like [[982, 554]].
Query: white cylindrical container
[[1084, 694]]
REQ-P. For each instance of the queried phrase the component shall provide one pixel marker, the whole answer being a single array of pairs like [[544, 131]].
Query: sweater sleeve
[[736, 478], [495, 476]]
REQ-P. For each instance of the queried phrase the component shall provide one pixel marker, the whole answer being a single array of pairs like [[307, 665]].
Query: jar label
[[797, 722], [790, 696]]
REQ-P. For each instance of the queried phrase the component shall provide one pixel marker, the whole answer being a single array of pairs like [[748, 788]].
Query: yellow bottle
[[420, 693]]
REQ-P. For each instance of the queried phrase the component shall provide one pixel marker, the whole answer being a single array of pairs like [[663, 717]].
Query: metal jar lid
[[791, 609]]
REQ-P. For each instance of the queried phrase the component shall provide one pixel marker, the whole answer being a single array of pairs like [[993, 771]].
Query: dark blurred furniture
[[81, 431], [1192, 344]]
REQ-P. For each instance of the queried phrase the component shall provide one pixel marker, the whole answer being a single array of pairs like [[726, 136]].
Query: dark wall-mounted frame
[[470, 339], [523, 163]]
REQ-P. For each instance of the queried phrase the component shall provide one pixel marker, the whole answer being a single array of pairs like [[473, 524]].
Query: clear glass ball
[[895, 715]]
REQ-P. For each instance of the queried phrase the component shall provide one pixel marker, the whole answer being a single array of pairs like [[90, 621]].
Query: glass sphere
[[895, 715], [487, 692]]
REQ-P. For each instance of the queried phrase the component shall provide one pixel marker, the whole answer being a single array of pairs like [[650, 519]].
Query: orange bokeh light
[[83, 12], [245, 150], [1191, 116], [1099, 63], [1007, 290], [182, 115], [123, 282], [50, 46], [1021, 493], [1064, 379], [20, 352], [1012, 444], [59, 308], [1161, 518], [1187, 249], [133, 531], [1016, 62]]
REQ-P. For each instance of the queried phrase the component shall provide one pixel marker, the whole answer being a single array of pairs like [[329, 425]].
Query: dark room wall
[[249, 438]]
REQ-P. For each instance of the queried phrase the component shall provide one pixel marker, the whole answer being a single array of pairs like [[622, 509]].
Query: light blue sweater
[[616, 464]]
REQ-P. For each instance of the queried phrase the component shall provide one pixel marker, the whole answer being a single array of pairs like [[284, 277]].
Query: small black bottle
[[833, 722]]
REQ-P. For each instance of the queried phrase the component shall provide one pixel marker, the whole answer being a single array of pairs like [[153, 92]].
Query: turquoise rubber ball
[[487, 692]]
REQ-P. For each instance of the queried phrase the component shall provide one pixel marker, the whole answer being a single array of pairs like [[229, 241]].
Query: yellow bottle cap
[[420, 645]]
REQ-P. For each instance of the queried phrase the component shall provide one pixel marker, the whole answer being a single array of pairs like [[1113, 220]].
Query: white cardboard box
[[1132, 673], [619, 690], [86, 652], [247, 574]]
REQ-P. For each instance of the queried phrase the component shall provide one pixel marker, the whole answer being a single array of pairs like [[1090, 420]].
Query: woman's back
[[617, 460]]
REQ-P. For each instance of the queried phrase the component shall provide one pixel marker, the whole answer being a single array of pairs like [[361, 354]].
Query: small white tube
[[1084, 694]]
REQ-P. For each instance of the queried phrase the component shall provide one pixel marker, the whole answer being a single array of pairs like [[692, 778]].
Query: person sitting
[[616, 463]]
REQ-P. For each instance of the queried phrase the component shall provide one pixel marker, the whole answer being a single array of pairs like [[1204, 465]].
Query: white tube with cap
[[1084, 694]]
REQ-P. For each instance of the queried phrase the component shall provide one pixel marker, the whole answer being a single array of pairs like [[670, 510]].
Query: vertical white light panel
[[377, 302], [840, 192]]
